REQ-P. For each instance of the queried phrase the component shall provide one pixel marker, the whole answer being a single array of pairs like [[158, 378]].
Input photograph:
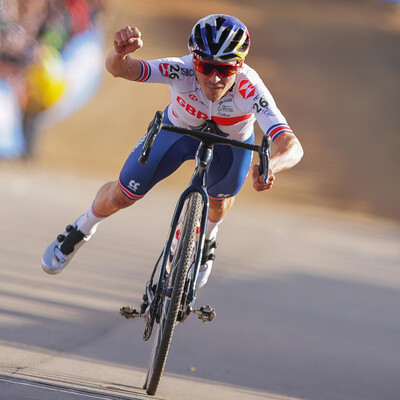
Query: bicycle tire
[[170, 306]]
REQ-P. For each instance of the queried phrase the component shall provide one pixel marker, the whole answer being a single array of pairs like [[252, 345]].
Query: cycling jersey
[[235, 113]]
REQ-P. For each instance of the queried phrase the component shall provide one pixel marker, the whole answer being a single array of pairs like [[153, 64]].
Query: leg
[[228, 172], [217, 212], [110, 199], [168, 152], [219, 208]]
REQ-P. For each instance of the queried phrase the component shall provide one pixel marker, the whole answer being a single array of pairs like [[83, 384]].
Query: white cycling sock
[[205, 269], [212, 229], [87, 223]]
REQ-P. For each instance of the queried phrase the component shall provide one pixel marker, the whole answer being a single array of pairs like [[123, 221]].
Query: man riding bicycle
[[211, 83]]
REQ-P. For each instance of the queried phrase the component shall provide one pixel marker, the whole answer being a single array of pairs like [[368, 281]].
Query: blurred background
[[333, 67], [323, 286]]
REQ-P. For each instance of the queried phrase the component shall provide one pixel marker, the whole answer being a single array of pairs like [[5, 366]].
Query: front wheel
[[171, 305]]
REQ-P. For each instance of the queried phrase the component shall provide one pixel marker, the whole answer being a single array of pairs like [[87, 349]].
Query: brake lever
[[152, 131], [264, 153]]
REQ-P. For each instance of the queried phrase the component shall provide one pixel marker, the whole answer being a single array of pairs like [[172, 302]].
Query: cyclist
[[211, 83]]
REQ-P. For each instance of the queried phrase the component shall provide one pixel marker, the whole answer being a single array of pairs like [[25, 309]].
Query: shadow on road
[[295, 335], [40, 384]]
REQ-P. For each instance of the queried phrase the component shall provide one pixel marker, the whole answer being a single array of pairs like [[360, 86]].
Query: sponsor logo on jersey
[[246, 89], [133, 185], [224, 110], [187, 71], [169, 70], [224, 121], [190, 109], [193, 97], [163, 67]]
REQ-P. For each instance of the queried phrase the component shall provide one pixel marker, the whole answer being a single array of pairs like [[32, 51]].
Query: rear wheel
[[171, 302]]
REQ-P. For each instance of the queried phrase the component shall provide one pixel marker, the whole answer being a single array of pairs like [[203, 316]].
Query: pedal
[[129, 312], [206, 314]]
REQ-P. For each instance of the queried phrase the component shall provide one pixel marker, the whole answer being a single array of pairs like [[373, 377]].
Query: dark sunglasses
[[223, 70]]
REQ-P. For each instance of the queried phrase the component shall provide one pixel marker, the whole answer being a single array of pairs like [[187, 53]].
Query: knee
[[118, 199], [218, 208]]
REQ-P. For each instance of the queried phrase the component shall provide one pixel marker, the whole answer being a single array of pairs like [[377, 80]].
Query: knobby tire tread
[[193, 215]]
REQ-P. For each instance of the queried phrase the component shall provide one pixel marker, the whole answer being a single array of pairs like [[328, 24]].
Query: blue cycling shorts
[[226, 176]]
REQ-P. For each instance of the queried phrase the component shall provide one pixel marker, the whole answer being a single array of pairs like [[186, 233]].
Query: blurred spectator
[[50, 66]]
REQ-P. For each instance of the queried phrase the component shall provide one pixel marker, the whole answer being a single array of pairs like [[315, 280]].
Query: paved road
[[310, 308]]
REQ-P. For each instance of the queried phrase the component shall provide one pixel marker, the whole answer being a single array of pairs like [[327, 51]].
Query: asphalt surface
[[307, 302]]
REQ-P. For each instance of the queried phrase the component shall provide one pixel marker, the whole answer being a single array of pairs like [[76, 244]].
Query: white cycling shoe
[[60, 252]]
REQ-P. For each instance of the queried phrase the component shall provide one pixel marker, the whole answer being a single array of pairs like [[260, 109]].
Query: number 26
[[260, 105]]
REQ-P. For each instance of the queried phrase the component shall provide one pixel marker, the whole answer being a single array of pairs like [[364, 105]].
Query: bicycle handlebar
[[156, 125]]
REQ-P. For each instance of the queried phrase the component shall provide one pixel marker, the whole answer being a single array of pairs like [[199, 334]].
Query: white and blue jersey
[[235, 114]]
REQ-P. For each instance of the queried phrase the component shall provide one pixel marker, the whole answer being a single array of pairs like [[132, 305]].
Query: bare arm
[[118, 61], [287, 154]]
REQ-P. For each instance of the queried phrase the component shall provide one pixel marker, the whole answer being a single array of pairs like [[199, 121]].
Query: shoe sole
[[49, 261]]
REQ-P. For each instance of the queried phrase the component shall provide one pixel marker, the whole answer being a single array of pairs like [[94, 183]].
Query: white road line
[[44, 386]]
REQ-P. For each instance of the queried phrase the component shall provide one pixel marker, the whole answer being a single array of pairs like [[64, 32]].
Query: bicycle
[[170, 296]]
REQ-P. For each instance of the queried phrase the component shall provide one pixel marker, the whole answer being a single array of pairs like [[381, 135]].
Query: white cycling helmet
[[219, 37]]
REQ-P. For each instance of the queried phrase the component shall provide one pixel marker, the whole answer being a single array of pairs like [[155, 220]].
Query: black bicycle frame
[[204, 156], [197, 184]]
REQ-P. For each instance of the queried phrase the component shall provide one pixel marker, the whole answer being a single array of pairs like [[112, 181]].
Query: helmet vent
[[199, 39], [219, 21], [216, 46], [235, 41], [228, 57], [245, 45]]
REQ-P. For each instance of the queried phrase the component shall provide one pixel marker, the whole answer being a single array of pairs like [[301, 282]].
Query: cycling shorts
[[226, 176]]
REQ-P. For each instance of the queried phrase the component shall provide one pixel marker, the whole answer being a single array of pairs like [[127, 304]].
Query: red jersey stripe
[[226, 121], [128, 193], [145, 71], [279, 129]]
